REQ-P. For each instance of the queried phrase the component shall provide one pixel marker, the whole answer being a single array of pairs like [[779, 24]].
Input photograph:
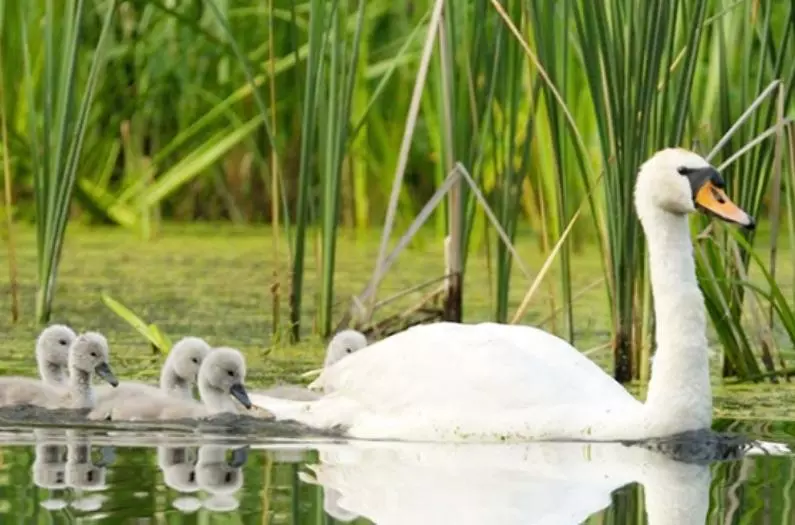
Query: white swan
[[521, 383], [177, 376], [342, 345], [52, 353]]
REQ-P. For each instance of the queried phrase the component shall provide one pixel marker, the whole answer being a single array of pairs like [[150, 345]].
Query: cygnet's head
[[343, 344], [187, 356], [52, 347], [224, 371], [89, 353], [680, 182]]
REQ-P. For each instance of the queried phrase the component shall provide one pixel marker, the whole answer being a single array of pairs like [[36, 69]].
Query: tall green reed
[[750, 49], [8, 199], [640, 90], [58, 116]]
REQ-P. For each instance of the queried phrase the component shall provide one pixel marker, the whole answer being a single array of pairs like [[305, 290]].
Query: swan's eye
[[93, 354], [684, 170], [348, 350], [62, 342], [195, 361]]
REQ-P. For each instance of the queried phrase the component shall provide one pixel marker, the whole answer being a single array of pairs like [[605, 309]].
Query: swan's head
[[52, 345], [187, 356], [224, 370], [89, 353], [680, 182], [344, 344]]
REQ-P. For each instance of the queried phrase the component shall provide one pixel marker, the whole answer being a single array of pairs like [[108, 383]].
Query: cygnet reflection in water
[[215, 469], [206, 476], [64, 459]]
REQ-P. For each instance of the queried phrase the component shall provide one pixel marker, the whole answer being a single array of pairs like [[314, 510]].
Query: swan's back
[[485, 366], [474, 382]]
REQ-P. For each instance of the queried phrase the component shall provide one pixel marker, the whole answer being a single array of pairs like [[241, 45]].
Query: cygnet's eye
[[230, 373], [63, 342], [195, 360], [93, 354], [348, 350]]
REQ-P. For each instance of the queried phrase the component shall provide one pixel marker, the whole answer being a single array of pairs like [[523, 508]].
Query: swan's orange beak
[[713, 199]]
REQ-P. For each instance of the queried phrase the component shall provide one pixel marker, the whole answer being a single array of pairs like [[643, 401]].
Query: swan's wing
[[485, 367], [454, 381]]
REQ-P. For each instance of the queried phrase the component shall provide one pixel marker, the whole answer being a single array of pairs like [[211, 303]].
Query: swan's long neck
[[679, 396]]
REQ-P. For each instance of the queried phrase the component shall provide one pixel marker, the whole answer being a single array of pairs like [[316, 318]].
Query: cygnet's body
[[220, 380], [88, 355], [341, 345], [52, 354], [177, 376]]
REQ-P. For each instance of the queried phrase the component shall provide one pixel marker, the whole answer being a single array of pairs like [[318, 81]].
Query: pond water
[[56, 475]]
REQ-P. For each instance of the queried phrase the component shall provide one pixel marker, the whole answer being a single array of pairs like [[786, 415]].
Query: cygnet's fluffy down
[[220, 380], [177, 377], [52, 354], [341, 345], [88, 355]]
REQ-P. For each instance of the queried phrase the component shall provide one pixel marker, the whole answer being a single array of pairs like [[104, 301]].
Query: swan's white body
[[492, 382]]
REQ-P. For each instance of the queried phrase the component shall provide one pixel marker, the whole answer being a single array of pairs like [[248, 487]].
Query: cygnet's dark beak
[[239, 392], [103, 370]]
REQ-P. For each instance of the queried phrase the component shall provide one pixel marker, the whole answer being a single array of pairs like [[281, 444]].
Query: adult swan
[[492, 382]]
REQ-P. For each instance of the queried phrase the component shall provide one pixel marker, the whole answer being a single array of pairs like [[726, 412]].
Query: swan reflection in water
[[65, 459], [538, 483], [418, 483]]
